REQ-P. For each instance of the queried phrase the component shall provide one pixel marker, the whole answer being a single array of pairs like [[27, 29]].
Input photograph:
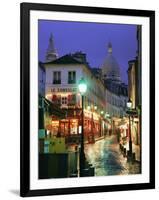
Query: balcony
[[71, 81], [56, 81]]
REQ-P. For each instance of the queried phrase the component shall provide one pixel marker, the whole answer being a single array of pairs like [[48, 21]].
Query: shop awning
[[55, 110]]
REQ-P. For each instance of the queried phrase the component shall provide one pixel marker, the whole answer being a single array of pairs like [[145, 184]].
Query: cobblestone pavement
[[107, 159]]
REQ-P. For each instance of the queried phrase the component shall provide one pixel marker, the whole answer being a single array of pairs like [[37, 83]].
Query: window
[[56, 77], [71, 99], [64, 100], [56, 99], [71, 77]]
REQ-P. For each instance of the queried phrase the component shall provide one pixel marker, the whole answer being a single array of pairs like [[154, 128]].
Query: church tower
[[109, 48], [51, 53], [110, 67]]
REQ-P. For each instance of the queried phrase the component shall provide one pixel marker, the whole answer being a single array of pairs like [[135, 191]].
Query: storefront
[[52, 115], [65, 127], [93, 128], [135, 130], [123, 133]]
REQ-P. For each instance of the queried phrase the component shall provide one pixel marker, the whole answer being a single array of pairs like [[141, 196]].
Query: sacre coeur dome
[[110, 67]]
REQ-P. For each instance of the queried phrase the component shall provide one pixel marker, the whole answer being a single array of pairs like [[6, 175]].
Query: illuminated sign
[[64, 89], [55, 123]]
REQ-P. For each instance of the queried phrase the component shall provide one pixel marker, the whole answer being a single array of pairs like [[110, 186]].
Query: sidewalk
[[135, 149]]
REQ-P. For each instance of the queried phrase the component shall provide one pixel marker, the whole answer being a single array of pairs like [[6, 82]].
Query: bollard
[[85, 172], [91, 171], [122, 148], [124, 152], [129, 156], [133, 157]]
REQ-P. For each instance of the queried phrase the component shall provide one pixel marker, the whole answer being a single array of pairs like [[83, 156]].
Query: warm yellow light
[[54, 123], [48, 96], [136, 119], [74, 120]]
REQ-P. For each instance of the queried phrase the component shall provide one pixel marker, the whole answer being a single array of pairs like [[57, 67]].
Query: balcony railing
[[71, 81], [56, 81]]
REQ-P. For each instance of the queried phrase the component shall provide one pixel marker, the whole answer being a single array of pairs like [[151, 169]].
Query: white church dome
[[110, 67]]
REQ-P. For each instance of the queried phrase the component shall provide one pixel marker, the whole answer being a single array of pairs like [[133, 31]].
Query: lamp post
[[129, 106], [95, 107], [101, 118], [107, 116], [82, 89]]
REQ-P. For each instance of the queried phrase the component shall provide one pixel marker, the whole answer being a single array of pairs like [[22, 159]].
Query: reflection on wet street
[[107, 159]]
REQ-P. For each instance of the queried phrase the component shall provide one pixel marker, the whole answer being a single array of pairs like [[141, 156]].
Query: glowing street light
[[82, 86], [107, 115], [102, 112], [129, 104]]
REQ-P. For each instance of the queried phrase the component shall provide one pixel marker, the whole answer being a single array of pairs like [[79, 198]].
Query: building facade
[[134, 85], [62, 78], [116, 99], [116, 95], [41, 94]]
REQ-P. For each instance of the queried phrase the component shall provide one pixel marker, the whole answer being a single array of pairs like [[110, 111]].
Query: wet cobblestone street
[[107, 159]]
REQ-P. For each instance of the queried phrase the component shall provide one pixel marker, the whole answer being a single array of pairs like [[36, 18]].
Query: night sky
[[92, 39]]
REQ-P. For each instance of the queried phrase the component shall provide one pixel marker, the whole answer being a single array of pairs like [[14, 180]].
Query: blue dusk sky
[[90, 38]]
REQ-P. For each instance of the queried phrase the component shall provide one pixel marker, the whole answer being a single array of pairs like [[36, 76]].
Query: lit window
[[64, 100]]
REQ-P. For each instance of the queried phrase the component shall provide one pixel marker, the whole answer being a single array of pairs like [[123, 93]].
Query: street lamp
[[102, 112], [82, 86], [101, 117], [129, 106], [107, 115]]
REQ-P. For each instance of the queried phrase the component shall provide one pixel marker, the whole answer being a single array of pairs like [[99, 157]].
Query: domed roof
[[110, 68]]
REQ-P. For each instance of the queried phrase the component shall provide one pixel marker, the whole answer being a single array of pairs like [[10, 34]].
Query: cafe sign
[[73, 89]]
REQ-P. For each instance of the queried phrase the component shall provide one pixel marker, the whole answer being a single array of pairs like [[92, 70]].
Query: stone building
[[62, 78], [115, 89], [134, 88]]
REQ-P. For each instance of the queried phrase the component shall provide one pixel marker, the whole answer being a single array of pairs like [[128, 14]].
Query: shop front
[[68, 128], [92, 126]]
